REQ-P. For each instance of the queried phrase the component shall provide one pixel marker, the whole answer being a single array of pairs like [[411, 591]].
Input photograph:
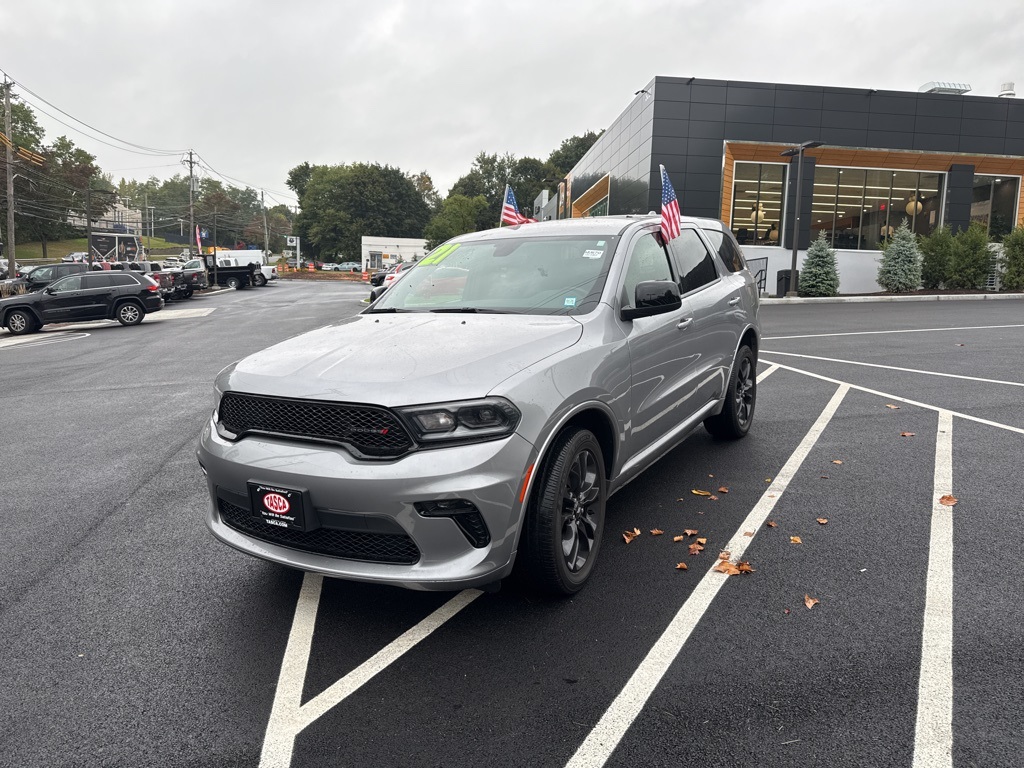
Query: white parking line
[[288, 716], [878, 333], [933, 737], [896, 368], [53, 337], [605, 736], [901, 399]]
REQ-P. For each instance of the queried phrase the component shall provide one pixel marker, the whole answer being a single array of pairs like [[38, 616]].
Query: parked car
[[77, 256], [377, 278], [37, 278], [158, 274], [576, 354], [18, 270], [114, 295], [347, 266]]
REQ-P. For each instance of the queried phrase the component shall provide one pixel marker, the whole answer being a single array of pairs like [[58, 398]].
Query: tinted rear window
[[96, 281], [728, 251], [125, 279]]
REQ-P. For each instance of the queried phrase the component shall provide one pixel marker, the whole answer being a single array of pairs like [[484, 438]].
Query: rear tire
[[189, 292], [233, 282], [564, 522], [259, 280], [740, 398], [20, 322], [130, 313]]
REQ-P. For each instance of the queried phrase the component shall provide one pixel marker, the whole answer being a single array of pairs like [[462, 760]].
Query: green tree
[[490, 174], [459, 214], [425, 185], [1013, 261], [820, 276], [342, 203], [971, 259], [571, 151], [900, 270], [937, 253], [298, 178]]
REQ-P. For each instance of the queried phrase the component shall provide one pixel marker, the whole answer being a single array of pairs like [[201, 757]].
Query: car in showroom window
[[532, 372]]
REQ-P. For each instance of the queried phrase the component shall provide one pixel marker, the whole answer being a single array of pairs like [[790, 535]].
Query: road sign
[[204, 233], [293, 240]]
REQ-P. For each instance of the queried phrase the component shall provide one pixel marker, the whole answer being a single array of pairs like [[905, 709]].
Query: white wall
[[857, 269], [396, 249]]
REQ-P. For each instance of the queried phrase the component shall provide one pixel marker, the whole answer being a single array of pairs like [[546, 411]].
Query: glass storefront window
[[994, 204], [757, 196], [859, 209]]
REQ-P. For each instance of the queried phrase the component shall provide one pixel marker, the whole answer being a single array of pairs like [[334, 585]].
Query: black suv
[[39, 277], [107, 295]]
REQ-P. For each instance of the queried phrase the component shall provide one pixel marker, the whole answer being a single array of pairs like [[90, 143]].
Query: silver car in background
[[479, 415]]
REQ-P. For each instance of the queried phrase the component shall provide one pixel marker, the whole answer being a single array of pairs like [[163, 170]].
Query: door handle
[[734, 302], [684, 324]]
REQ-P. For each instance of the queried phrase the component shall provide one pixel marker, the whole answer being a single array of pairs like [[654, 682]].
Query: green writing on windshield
[[440, 254]]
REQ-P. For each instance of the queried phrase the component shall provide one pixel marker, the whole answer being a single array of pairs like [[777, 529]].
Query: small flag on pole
[[669, 209], [510, 211], [199, 242]]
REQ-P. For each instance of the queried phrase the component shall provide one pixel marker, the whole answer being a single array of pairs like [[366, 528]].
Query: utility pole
[[191, 204], [10, 178], [145, 198], [266, 231], [88, 220], [215, 246]]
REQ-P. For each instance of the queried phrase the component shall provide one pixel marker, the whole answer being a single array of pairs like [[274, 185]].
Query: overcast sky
[[257, 87]]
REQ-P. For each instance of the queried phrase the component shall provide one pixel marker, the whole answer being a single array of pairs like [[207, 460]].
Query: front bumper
[[373, 496]]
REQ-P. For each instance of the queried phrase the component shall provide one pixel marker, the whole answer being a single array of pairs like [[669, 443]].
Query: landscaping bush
[[819, 276], [936, 254], [900, 270], [971, 259], [1013, 261]]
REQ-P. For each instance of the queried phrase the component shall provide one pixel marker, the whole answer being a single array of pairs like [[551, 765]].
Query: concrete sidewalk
[[866, 299]]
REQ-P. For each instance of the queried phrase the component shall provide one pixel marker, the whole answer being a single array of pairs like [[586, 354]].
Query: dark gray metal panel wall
[[685, 122], [959, 195]]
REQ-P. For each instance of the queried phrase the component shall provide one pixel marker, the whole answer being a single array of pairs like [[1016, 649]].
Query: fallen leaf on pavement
[[785, 610], [795, 540], [744, 567], [680, 499], [837, 461], [702, 540], [656, 531], [767, 479], [823, 520], [682, 567], [948, 500], [724, 555], [959, 345], [748, 533], [630, 535], [892, 407], [907, 434], [824, 477], [690, 531], [710, 475], [678, 538], [696, 549], [810, 602], [772, 524], [713, 498], [727, 568], [723, 489], [697, 492]]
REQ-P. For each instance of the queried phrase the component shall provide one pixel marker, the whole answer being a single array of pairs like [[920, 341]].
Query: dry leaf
[[948, 500], [823, 520], [682, 567], [785, 610], [810, 602], [723, 489], [710, 475], [690, 531], [724, 555], [727, 568], [795, 540], [696, 549], [824, 477], [630, 535], [892, 407], [907, 434], [837, 461], [697, 492], [656, 531], [702, 540], [680, 499], [959, 345], [767, 479], [748, 533], [772, 524], [713, 498], [678, 538], [744, 567]]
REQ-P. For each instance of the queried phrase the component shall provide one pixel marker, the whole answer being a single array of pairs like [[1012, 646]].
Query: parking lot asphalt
[[132, 638]]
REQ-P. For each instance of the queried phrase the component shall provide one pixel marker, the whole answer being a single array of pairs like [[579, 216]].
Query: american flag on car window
[[669, 208], [510, 211]]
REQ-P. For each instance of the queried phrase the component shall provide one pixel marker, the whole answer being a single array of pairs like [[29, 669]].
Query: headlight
[[463, 421]]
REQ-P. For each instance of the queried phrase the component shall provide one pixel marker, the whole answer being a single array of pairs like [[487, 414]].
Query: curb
[[869, 299]]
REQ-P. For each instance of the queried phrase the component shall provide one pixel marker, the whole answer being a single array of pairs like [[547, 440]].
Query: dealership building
[[939, 156]]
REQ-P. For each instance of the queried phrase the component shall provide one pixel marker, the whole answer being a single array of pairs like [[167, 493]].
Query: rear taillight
[[152, 288]]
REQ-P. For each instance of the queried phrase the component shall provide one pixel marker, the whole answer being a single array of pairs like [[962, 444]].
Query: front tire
[[130, 313], [20, 322], [260, 280], [565, 519], [740, 398]]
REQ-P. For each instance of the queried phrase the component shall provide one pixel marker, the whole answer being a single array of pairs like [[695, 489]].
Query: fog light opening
[[463, 513]]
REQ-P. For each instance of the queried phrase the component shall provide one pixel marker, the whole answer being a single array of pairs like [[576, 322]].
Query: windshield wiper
[[474, 310], [381, 310]]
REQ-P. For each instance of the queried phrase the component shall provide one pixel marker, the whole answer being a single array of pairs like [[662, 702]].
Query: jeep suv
[[565, 359], [107, 295]]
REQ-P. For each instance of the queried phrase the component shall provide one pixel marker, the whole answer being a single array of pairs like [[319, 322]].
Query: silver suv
[[479, 415]]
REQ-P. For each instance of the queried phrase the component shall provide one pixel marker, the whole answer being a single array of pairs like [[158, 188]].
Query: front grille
[[369, 430], [351, 545]]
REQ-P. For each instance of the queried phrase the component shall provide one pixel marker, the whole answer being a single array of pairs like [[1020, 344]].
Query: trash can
[[782, 282]]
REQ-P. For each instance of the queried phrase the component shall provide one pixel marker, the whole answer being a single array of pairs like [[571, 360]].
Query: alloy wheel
[[129, 313], [580, 510], [744, 391], [17, 323]]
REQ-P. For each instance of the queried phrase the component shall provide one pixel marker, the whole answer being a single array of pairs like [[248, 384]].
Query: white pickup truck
[[267, 271]]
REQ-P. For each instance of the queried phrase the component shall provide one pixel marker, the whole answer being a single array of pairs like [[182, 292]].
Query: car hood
[[403, 359]]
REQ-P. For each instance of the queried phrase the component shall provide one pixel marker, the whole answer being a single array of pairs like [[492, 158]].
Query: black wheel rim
[[744, 391], [580, 511]]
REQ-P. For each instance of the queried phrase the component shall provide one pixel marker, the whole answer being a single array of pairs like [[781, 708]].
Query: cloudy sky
[[260, 86]]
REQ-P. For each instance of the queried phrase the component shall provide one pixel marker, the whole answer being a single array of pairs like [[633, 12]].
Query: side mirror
[[49, 290], [653, 297]]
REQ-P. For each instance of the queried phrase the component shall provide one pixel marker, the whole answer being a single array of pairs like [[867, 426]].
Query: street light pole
[[799, 152]]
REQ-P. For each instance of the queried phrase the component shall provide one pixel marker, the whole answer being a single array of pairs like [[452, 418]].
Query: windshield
[[524, 275]]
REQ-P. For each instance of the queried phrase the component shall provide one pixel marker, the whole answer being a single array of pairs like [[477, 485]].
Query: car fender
[[27, 307], [757, 343]]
